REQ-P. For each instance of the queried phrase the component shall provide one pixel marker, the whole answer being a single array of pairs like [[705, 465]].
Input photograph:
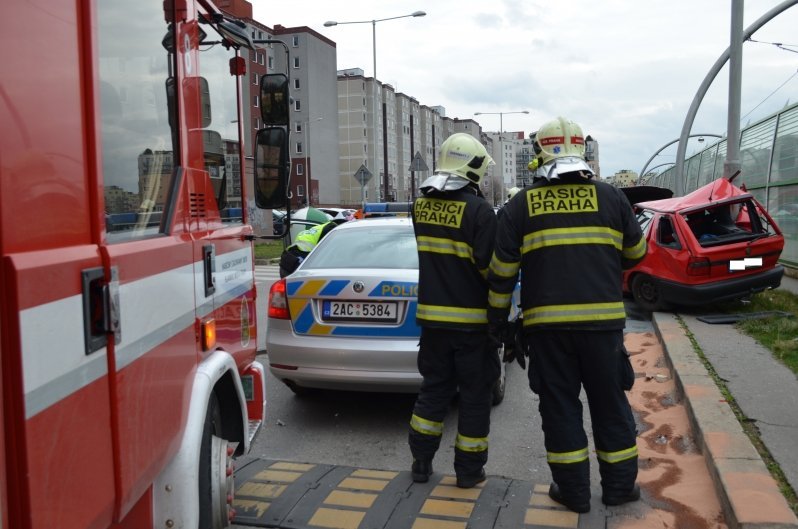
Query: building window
[[299, 147], [296, 62], [298, 127], [271, 62], [297, 105], [296, 84], [260, 59], [256, 122], [300, 170], [255, 78], [256, 101], [295, 41]]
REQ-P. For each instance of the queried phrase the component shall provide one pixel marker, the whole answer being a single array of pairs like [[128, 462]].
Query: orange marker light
[[208, 335]]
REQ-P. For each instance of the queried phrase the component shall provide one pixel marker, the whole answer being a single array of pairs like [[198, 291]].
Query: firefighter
[[511, 193], [306, 240], [570, 237], [455, 228]]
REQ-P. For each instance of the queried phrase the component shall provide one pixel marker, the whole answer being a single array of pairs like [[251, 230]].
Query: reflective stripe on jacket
[[307, 239], [570, 239], [455, 231]]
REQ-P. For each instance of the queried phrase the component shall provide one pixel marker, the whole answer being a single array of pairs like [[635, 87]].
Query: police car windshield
[[366, 247]]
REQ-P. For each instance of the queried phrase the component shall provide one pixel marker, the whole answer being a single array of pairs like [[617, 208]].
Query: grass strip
[[747, 424]]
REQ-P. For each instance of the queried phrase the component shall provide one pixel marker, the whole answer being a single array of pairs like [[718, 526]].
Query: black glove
[[514, 348], [496, 333]]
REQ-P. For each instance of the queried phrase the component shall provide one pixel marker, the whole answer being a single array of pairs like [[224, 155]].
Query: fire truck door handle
[[100, 308], [209, 267]]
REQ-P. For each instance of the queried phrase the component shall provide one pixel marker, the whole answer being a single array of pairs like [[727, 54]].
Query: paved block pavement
[[766, 392]]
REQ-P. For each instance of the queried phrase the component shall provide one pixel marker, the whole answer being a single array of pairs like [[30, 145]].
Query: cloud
[[628, 71]]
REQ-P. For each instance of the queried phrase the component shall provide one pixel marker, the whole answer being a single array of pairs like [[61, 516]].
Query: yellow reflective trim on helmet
[[574, 313], [499, 301], [471, 444], [451, 314], [445, 246], [637, 251], [426, 427], [577, 456], [617, 457], [581, 235], [503, 269]]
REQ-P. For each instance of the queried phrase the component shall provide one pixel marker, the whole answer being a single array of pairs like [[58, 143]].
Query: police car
[[345, 319]]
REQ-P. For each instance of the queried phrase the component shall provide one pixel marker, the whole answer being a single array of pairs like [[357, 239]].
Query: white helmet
[[512, 192], [463, 160], [560, 147]]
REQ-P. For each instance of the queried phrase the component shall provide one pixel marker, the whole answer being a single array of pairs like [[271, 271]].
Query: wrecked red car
[[717, 243]]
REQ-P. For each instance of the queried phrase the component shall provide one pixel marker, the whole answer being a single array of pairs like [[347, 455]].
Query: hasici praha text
[[562, 199], [441, 212]]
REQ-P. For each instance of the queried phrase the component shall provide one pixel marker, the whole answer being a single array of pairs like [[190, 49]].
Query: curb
[[749, 496]]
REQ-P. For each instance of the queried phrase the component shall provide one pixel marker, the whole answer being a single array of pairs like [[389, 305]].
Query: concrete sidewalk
[[765, 390]]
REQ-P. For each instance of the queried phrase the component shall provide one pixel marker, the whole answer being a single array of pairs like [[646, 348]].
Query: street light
[[501, 115], [677, 185], [306, 139], [373, 23], [501, 136]]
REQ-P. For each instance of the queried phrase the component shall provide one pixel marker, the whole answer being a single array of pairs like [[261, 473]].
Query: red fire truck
[[127, 302]]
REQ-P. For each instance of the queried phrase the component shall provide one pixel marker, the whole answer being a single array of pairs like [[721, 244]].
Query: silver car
[[345, 319]]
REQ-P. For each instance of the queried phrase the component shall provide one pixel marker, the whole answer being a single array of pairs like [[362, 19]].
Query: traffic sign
[[363, 175], [418, 163]]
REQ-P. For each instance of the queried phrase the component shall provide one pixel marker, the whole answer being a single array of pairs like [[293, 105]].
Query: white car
[[345, 319], [338, 213]]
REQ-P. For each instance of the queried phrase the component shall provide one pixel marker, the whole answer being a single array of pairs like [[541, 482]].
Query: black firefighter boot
[[421, 470]]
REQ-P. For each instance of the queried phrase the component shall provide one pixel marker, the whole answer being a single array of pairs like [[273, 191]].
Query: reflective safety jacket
[[570, 238], [455, 231], [307, 239]]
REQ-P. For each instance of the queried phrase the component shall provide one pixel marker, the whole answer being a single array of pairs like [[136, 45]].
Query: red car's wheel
[[646, 293]]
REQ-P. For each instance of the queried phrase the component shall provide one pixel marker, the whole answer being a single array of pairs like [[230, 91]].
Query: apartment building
[[314, 115], [624, 178], [342, 121]]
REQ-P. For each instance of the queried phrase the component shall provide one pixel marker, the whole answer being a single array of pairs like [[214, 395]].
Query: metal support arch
[[702, 90], [643, 170]]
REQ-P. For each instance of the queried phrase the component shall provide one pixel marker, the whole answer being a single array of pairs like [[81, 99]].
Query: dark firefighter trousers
[[561, 362], [448, 360]]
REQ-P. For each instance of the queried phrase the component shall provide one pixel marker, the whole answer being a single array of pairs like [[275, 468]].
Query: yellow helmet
[[463, 155], [559, 138]]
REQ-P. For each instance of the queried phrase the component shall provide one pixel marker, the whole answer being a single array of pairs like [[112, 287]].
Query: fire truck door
[[146, 244], [58, 459]]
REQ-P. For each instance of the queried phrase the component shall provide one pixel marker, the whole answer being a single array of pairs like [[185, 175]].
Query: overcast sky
[[626, 70]]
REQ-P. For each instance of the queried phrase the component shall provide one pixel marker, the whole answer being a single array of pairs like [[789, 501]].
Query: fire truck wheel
[[215, 472]]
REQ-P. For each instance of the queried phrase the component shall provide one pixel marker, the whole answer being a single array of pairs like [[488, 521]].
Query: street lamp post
[[306, 138], [700, 139], [373, 23], [501, 135]]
